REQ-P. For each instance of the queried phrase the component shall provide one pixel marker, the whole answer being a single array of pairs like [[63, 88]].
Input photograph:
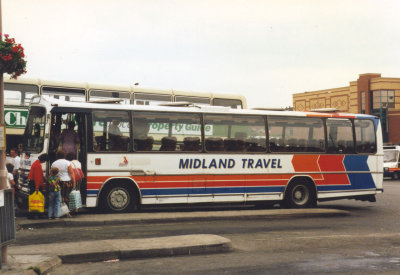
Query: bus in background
[[17, 94], [391, 154], [210, 154]]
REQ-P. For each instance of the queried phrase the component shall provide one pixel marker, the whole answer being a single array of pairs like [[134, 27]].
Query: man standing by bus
[[16, 161]]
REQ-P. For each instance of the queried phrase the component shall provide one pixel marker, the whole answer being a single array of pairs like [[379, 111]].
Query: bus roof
[[131, 89]]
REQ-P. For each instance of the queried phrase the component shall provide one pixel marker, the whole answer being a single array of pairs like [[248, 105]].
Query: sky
[[264, 50]]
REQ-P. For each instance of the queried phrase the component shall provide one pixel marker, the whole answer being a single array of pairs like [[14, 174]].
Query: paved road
[[366, 242]]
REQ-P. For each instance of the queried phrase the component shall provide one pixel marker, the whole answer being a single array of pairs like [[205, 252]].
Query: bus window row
[[182, 132], [19, 94]]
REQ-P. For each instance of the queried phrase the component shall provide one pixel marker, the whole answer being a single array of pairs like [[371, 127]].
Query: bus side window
[[166, 132], [111, 131], [365, 136], [234, 134], [340, 135]]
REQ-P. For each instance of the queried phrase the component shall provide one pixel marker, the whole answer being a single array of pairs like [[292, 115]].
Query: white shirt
[[62, 165], [10, 177], [16, 162], [114, 129]]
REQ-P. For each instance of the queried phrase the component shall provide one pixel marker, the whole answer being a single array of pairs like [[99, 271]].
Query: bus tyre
[[395, 176], [300, 195], [118, 198]]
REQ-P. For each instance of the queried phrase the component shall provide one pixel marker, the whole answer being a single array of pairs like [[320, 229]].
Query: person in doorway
[[54, 193], [70, 139], [66, 173]]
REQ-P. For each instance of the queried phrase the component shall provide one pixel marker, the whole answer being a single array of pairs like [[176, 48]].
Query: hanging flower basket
[[11, 57]]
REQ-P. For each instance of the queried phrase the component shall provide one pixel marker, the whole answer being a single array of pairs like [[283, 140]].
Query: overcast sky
[[265, 50]]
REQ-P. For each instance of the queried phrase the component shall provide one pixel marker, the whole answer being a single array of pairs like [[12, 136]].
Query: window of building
[[363, 102], [383, 99]]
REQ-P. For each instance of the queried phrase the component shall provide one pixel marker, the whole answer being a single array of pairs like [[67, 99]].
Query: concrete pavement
[[166, 217], [47, 256]]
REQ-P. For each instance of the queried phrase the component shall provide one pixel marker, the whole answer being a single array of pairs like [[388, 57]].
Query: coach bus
[[205, 154], [17, 94]]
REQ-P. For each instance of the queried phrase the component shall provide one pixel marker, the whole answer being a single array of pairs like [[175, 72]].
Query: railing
[[7, 218]]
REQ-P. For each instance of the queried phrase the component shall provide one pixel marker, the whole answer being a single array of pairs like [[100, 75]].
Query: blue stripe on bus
[[342, 188], [215, 190], [356, 163], [359, 164]]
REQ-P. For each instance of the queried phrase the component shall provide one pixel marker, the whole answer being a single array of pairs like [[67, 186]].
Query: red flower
[[11, 57]]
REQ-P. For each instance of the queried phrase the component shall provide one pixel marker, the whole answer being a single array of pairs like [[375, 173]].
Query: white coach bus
[[206, 154]]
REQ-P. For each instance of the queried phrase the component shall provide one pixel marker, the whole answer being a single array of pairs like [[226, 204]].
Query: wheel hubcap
[[300, 195], [118, 198]]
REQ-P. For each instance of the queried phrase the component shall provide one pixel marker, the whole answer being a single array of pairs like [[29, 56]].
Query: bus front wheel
[[395, 176], [118, 198], [300, 195]]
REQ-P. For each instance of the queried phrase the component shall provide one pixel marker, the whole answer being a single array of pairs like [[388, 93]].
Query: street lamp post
[[3, 172]]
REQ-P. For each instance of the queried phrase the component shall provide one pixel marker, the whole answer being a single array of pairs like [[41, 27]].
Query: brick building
[[369, 94]]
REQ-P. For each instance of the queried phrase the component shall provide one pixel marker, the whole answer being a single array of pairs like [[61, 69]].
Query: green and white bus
[[18, 93]]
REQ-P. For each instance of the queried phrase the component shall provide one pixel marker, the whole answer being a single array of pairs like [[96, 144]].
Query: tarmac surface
[[48, 256]]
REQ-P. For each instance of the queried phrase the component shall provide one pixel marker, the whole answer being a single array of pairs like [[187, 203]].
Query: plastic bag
[[36, 202], [75, 200], [63, 210]]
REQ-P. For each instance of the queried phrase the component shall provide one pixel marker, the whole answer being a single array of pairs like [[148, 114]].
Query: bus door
[[67, 133]]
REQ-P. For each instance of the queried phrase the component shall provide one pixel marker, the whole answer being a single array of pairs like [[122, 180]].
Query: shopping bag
[[75, 200], [36, 202], [63, 210], [78, 173]]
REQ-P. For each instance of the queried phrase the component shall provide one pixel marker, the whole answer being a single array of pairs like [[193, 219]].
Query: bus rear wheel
[[395, 176], [118, 198], [300, 195]]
